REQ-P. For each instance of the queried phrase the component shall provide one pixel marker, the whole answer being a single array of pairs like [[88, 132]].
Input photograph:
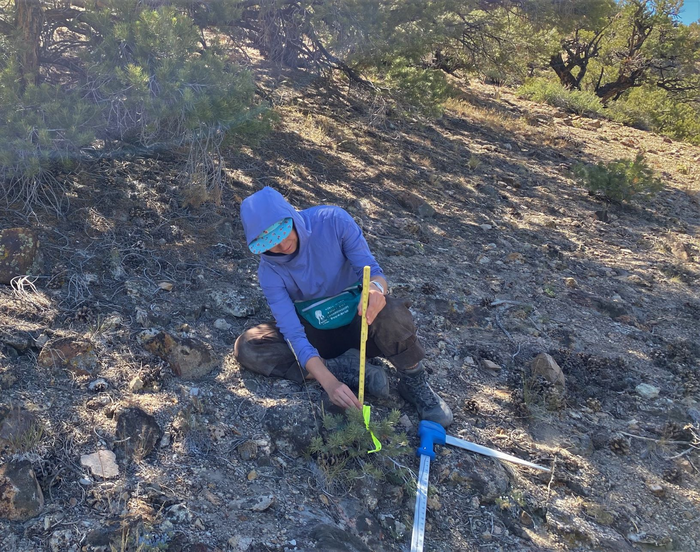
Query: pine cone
[[620, 444], [673, 431], [471, 407], [659, 357], [81, 316], [673, 474], [519, 405], [691, 382], [428, 288], [594, 404]]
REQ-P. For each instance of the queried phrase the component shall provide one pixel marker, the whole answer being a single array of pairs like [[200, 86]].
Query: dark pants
[[392, 336]]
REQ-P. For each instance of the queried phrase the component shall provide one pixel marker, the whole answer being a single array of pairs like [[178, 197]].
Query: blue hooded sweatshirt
[[331, 255]]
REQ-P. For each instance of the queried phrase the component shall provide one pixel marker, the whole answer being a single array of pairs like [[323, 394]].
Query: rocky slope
[[123, 343]]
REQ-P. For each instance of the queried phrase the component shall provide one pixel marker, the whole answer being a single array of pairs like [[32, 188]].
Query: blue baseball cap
[[271, 237]]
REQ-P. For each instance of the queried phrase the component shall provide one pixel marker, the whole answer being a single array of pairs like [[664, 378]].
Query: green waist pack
[[328, 313]]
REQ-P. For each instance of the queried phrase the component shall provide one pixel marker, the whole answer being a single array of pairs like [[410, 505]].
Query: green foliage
[[651, 108], [42, 125], [341, 451], [620, 180], [138, 77], [553, 93], [424, 89]]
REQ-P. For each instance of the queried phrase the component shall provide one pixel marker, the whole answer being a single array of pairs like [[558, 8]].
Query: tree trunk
[[281, 34], [28, 21], [613, 90], [567, 80]]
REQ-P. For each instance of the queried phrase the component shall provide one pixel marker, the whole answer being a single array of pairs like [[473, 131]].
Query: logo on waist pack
[[319, 317]]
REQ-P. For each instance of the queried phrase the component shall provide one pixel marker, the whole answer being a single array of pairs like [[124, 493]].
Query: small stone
[[571, 283], [647, 391], [221, 324], [406, 422], [141, 316], [517, 258], [483, 259], [98, 385], [656, 489], [242, 544], [248, 450], [136, 385], [485, 226], [489, 365], [252, 475], [199, 524]]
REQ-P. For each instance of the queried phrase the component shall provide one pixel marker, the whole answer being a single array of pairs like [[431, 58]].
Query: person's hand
[[338, 392], [376, 303], [341, 395]]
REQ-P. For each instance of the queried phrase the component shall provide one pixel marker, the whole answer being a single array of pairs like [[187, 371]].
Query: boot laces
[[419, 389]]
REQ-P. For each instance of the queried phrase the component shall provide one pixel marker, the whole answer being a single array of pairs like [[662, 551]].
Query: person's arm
[[339, 393], [283, 310], [357, 251]]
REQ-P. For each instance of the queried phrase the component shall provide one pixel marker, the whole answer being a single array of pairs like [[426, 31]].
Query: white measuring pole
[[432, 434], [421, 505]]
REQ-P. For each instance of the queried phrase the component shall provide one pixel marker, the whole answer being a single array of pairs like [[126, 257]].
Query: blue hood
[[264, 208]]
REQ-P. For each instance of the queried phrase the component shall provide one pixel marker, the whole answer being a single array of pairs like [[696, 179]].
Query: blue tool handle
[[430, 433]]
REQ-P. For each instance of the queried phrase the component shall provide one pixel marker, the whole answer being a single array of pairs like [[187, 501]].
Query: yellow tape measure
[[363, 353], [363, 334]]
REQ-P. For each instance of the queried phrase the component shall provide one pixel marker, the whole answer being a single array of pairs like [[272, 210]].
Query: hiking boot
[[346, 368], [413, 387]]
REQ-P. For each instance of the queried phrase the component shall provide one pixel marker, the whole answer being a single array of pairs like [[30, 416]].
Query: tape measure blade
[[421, 505]]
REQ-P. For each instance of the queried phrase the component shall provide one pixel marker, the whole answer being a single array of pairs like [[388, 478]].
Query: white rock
[[221, 324], [136, 384], [102, 463], [647, 391], [141, 316]]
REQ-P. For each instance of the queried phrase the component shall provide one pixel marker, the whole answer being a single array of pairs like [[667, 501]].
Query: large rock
[[188, 358], [333, 539], [484, 476], [291, 428], [75, 355], [19, 429], [19, 253], [20, 495], [137, 432], [415, 204], [544, 365]]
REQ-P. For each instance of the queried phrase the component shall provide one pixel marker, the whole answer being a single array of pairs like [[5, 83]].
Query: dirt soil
[[476, 220]]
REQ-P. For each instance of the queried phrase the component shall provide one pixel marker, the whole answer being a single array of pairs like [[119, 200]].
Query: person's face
[[288, 245]]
